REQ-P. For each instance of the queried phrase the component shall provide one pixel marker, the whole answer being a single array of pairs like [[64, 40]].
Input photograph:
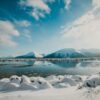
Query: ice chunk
[[61, 85], [9, 86], [15, 79], [92, 81], [41, 83], [25, 79], [27, 86], [69, 81], [77, 78]]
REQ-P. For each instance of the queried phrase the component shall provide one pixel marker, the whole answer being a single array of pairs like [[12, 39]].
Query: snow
[[32, 54], [61, 87], [69, 81], [27, 86], [77, 78], [10, 86], [35, 54], [72, 53], [63, 53], [15, 79], [67, 52], [25, 79], [92, 81]]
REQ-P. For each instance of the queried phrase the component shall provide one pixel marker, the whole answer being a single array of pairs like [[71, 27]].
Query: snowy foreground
[[67, 87]]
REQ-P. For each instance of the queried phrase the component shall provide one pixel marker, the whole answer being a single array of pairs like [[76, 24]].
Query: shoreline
[[49, 59], [61, 87]]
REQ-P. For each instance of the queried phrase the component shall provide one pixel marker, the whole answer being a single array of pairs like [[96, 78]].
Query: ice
[[92, 81], [25, 79], [69, 81], [61, 87], [27, 86], [77, 78], [41, 83], [9, 86], [15, 79]]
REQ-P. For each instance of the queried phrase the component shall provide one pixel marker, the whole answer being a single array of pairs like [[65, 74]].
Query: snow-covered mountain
[[90, 52], [65, 53], [30, 55], [73, 53]]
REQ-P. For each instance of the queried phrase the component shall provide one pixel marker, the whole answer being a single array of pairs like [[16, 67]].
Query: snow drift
[[37, 83]]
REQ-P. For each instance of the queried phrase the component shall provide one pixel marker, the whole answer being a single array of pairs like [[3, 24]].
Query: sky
[[45, 26]]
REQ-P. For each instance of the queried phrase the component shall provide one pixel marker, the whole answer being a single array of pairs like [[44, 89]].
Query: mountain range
[[64, 53]]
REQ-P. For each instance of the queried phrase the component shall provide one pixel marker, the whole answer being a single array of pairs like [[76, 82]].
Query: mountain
[[65, 53], [30, 55], [90, 52]]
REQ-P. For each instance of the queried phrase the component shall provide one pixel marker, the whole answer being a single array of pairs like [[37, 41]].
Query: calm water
[[40, 68]]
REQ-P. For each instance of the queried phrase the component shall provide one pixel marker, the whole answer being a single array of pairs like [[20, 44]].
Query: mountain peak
[[65, 53], [32, 54]]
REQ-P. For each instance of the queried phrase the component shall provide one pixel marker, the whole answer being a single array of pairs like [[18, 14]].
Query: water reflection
[[65, 64], [44, 68]]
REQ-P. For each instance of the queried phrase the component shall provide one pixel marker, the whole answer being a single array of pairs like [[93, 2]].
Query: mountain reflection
[[44, 68], [65, 64]]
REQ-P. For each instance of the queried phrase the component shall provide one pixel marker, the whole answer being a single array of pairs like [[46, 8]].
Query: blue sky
[[46, 25]]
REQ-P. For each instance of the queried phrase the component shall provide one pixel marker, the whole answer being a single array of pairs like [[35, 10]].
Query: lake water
[[44, 68]]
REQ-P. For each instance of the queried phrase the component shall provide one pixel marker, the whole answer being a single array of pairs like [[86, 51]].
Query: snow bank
[[61, 87], [92, 81], [15, 79], [37, 83]]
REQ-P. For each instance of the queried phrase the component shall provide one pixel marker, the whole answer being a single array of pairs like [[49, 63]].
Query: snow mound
[[44, 84], [41, 83], [61, 85], [92, 81], [69, 81], [37, 83], [77, 78], [25, 79], [3, 82], [52, 79], [15, 79], [27, 86], [9, 86]]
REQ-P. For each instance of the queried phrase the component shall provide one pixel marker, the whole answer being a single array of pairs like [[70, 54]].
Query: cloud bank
[[85, 32], [7, 32], [40, 7]]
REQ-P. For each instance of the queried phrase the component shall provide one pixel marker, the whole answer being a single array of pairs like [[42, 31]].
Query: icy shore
[[61, 87]]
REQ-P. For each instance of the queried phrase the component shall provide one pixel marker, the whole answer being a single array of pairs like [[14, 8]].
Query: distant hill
[[30, 55], [65, 53], [90, 52]]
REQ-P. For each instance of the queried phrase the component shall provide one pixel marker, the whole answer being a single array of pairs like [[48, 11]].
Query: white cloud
[[39, 7], [67, 4], [37, 4], [85, 32], [7, 31], [27, 34], [96, 3], [23, 23], [37, 14]]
